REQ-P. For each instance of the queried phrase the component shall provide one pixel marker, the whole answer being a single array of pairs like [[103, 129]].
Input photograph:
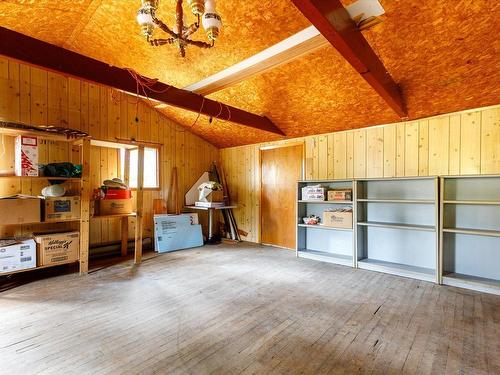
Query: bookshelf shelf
[[470, 232], [397, 226]]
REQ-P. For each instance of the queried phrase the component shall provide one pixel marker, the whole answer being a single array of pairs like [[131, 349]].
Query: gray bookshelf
[[398, 226], [323, 243], [470, 232]]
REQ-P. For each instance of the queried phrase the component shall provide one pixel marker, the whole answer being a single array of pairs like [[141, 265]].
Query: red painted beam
[[35, 52], [332, 20]]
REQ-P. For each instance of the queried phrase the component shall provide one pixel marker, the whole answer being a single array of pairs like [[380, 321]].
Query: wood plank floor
[[245, 309]]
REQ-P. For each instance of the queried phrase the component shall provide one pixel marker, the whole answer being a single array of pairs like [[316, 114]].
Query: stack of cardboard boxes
[[44, 249], [336, 217]]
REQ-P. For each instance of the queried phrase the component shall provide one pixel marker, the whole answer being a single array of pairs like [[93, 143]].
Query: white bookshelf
[[398, 226], [319, 242], [470, 232]]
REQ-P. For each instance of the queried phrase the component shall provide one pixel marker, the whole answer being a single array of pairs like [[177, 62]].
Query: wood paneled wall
[[460, 143], [36, 96]]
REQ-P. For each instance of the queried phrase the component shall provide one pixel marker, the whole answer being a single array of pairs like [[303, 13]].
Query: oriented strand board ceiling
[[443, 53], [308, 96], [107, 31]]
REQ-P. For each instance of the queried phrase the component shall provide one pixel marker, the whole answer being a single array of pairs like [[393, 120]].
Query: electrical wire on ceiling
[[145, 84]]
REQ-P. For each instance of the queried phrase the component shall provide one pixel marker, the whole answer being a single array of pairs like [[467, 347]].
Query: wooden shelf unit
[[84, 188], [319, 242], [65, 179], [139, 192], [470, 232], [397, 221], [38, 268]]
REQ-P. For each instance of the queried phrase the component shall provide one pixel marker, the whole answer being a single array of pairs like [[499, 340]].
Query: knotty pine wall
[[36, 96], [455, 144]]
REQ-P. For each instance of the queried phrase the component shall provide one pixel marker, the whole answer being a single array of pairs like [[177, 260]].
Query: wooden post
[[140, 201], [124, 235], [85, 207]]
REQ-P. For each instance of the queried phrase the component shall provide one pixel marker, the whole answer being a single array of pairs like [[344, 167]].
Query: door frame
[[302, 174]]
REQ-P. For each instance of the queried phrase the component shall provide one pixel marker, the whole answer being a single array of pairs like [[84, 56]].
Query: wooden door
[[280, 169]]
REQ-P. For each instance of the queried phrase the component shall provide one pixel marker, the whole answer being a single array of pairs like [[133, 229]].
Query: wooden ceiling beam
[[334, 22], [35, 52]]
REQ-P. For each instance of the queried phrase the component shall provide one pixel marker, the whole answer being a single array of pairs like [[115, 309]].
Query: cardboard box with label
[[340, 195], [62, 208], [26, 156], [18, 256], [313, 193], [19, 210], [57, 248], [115, 206], [341, 218]]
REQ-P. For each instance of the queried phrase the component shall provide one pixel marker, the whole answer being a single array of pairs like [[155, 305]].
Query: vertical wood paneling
[[400, 149], [349, 138], [389, 151], [455, 149], [309, 160], [411, 149], [330, 157], [439, 146], [423, 148], [375, 152], [359, 139], [339, 155], [490, 141], [33, 95], [322, 157], [470, 141]]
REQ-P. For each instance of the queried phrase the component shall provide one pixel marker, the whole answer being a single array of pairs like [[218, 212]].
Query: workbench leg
[[210, 224], [124, 236]]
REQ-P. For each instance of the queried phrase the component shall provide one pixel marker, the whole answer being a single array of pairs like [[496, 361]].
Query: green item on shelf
[[64, 170]]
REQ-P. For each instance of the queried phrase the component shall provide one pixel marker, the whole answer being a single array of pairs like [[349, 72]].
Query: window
[[151, 167]]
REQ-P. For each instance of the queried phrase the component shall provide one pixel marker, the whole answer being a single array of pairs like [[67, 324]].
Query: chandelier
[[180, 34]]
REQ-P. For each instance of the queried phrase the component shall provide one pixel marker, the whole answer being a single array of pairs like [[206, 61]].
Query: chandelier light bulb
[[212, 23], [197, 7], [211, 20], [145, 16]]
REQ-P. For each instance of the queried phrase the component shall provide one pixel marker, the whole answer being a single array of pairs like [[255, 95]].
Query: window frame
[[125, 173]]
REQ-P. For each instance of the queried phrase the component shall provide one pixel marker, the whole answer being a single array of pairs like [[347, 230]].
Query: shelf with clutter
[[325, 213], [43, 206], [114, 204]]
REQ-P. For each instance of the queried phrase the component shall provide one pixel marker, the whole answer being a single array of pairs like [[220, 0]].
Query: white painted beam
[[303, 42]]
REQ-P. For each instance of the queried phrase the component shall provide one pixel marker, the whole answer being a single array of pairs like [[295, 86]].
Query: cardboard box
[[26, 156], [20, 256], [215, 196], [313, 193], [115, 206], [57, 248], [340, 195], [19, 210], [337, 219], [62, 208]]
